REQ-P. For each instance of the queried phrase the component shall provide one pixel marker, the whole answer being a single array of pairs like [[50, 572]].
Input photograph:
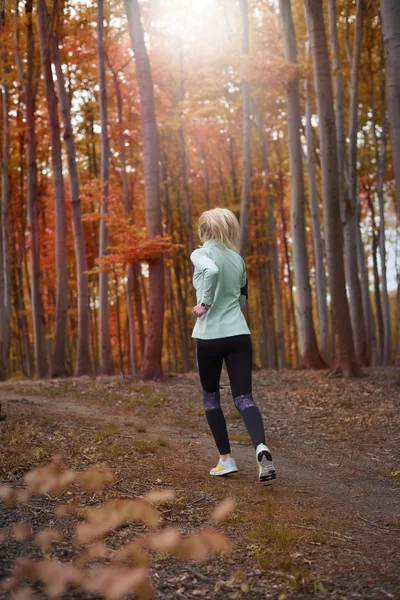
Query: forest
[[121, 123]]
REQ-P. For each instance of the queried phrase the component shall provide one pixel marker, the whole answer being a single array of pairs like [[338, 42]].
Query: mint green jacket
[[219, 274]]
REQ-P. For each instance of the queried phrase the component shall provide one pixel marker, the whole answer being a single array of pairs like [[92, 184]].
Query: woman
[[222, 334]]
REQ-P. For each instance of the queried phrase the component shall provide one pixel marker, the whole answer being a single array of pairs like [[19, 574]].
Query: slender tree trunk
[[390, 15], [205, 177], [271, 235], [386, 339], [5, 266], [58, 367], [378, 304], [344, 348], [152, 357], [106, 359], [287, 258], [38, 319], [245, 204], [338, 103], [128, 209], [352, 246], [320, 279], [82, 363], [310, 356]]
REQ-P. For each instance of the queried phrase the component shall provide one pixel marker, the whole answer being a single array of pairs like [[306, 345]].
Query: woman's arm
[[203, 263], [244, 289]]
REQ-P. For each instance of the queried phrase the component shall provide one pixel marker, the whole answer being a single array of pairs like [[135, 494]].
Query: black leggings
[[238, 355]]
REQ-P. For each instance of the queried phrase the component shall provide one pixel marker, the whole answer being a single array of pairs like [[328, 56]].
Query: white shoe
[[266, 469], [224, 467]]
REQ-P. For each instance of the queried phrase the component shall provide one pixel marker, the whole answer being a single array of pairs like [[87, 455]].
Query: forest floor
[[329, 527]]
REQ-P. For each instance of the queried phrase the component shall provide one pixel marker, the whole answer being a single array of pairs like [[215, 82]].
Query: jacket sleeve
[[203, 263], [244, 290]]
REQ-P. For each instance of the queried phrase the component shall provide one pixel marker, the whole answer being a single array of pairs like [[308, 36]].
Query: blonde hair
[[219, 224]]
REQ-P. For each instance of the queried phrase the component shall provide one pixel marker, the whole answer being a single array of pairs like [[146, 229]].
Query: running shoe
[[224, 467], [266, 469]]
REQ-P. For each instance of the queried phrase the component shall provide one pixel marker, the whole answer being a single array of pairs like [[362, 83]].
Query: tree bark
[[309, 353], [344, 348], [245, 204], [38, 318], [152, 356], [390, 16], [359, 319], [82, 362], [5, 266], [58, 366], [338, 102], [106, 358]]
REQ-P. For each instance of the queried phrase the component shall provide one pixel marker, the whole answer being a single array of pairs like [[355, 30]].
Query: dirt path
[[336, 449]]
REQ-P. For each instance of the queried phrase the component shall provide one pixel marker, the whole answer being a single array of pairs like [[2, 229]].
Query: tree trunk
[[152, 356], [338, 103], [5, 267], [82, 363], [390, 15], [352, 247], [344, 348], [128, 209], [58, 367], [309, 353], [245, 204], [38, 319], [320, 279], [106, 359], [271, 235]]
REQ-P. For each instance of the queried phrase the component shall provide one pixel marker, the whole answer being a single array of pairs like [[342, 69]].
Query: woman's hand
[[198, 310]]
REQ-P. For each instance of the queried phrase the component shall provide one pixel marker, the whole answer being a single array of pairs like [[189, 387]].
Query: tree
[[390, 14], [244, 211], [309, 353], [106, 361], [58, 367], [29, 88], [82, 364], [320, 279], [341, 325], [5, 267], [152, 355]]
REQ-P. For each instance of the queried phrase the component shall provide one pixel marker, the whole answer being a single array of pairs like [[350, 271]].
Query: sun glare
[[190, 20]]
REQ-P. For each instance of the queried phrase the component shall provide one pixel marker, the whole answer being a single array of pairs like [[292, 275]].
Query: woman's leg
[[209, 364], [239, 360]]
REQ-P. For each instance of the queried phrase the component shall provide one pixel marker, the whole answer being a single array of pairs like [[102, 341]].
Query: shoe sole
[[225, 472], [267, 474]]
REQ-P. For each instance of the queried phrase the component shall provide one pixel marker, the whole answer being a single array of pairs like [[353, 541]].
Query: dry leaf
[[215, 541], [98, 550], [44, 539], [52, 478], [86, 533], [21, 531], [165, 541], [160, 496], [95, 479], [223, 510], [63, 510], [24, 593], [115, 582], [192, 547], [132, 552]]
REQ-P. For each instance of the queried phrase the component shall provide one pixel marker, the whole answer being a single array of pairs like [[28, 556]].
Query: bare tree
[[58, 367], [320, 279], [341, 324], [29, 87], [82, 364], [152, 356], [245, 204], [309, 353], [106, 359], [5, 267]]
